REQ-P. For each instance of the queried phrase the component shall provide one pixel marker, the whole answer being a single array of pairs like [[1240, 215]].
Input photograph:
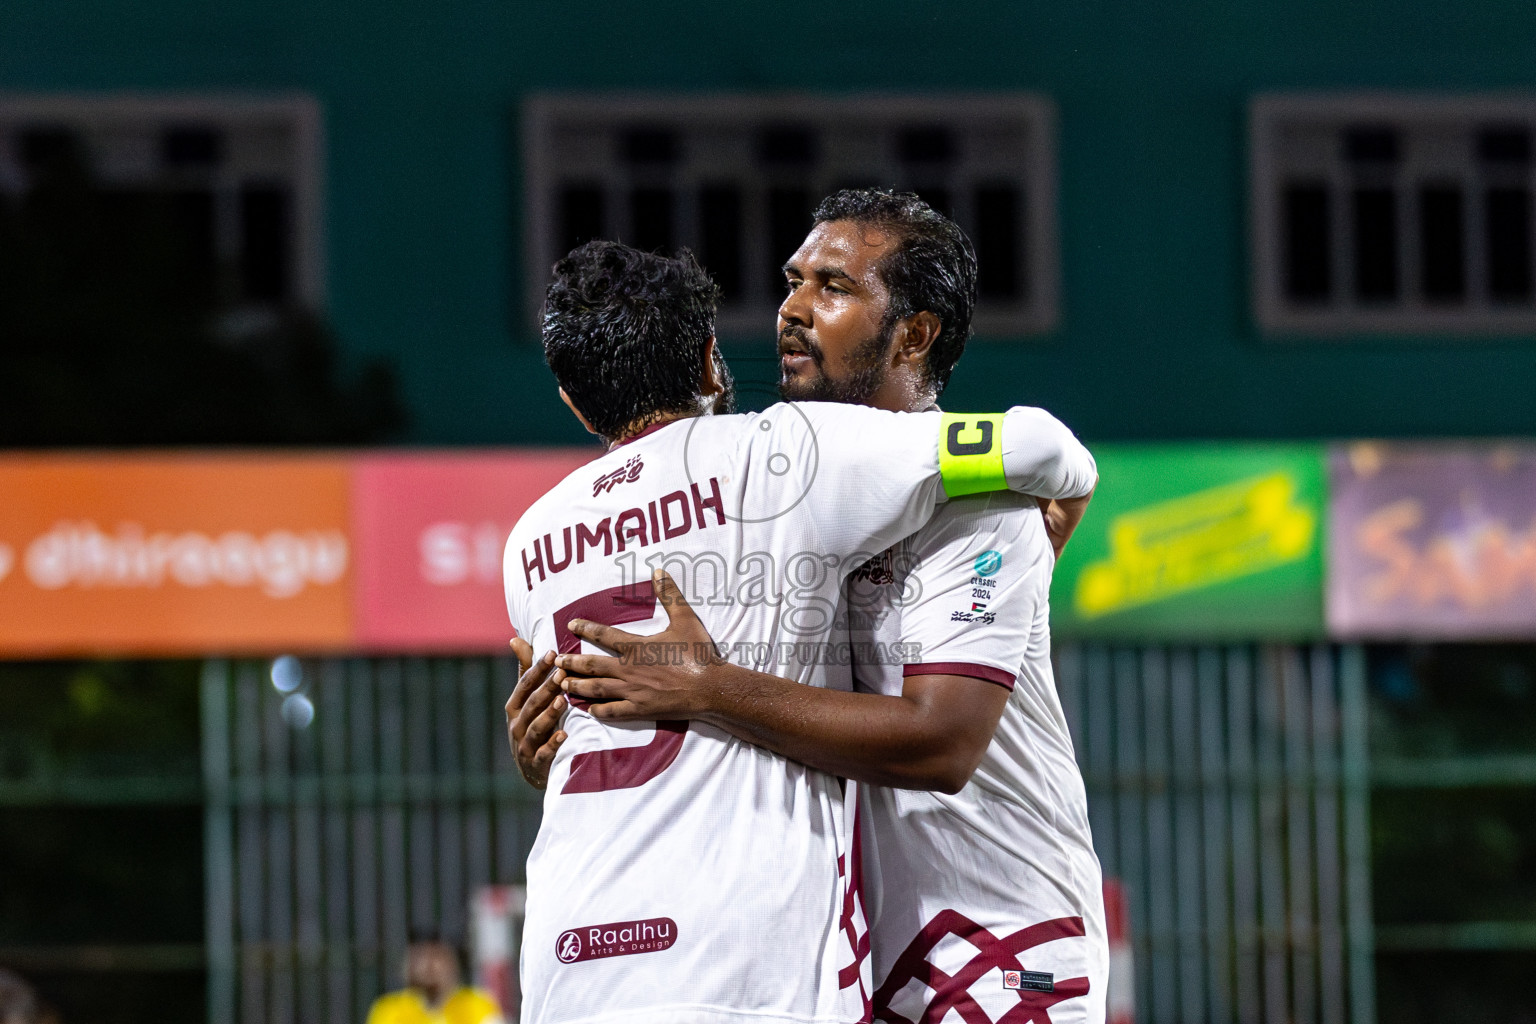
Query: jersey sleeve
[[982, 575], [1044, 458], [512, 588], [859, 478], [868, 477]]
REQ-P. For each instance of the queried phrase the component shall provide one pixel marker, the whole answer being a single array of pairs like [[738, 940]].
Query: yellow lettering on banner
[[1197, 541]]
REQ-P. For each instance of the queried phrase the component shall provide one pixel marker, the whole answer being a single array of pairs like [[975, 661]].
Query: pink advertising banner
[[1432, 541], [431, 527], [172, 554]]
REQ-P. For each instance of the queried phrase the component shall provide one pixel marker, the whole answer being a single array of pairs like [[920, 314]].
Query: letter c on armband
[[971, 453]]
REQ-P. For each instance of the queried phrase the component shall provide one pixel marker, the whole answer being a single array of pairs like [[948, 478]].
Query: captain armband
[[971, 453]]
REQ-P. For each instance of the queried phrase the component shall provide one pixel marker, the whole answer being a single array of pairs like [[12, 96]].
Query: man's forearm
[[862, 736], [1061, 519]]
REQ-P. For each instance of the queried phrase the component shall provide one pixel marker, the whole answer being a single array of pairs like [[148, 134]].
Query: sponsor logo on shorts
[[1032, 981], [622, 938]]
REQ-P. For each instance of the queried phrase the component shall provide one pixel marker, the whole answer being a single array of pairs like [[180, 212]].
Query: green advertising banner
[[1198, 542]]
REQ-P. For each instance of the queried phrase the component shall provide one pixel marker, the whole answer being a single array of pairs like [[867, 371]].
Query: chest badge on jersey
[[879, 571]]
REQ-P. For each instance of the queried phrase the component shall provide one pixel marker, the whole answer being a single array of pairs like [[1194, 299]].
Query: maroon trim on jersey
[[961, 668], [648, 430], [952, 991], [853, 917]]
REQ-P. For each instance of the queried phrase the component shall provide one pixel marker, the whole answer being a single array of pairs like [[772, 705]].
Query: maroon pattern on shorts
[[952, 992]]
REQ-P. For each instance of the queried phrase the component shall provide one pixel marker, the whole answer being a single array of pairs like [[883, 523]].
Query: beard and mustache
[[867, 369], [866, 364]]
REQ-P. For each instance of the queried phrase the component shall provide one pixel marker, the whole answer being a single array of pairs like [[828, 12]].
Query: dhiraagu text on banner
[[1198, 542]]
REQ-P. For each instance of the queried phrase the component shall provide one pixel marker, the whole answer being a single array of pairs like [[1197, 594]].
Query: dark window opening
[[1308, 256], [650, 218], [1442, 244], [161, 242], [1375, 222], [192, 147], [44, 146], [999, 239], [651, 146], [737, 183], [581, 217], [1507, 214], [266, 228], [720, 237], [926, 144], [194, 241], [1372, 144], [1511, 145], [787, 145], [789, 218]]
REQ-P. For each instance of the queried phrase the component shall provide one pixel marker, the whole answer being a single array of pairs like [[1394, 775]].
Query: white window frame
[[1034, 315], [1344, 315], [99, 115]]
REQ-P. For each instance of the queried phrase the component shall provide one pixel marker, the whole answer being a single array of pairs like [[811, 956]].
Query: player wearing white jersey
[[987, 901], [681, 874], [1011, 925]]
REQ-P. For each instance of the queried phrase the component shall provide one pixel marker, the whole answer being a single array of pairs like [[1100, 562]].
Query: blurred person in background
[[19, 1003], [432, 993]]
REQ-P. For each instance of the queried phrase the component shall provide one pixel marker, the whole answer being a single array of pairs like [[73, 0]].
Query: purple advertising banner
[[1433, 541]]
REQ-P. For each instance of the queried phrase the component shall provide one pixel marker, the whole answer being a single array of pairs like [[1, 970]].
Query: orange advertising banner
[[174, 554]]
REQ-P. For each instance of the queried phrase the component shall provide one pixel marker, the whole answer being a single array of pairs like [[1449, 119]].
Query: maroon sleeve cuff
[[961, 668]]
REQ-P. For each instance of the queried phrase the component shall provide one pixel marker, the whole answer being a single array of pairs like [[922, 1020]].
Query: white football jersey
[[682, 876], [991, 898]]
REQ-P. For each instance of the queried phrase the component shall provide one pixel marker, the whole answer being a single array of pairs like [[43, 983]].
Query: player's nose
[[795, 309]]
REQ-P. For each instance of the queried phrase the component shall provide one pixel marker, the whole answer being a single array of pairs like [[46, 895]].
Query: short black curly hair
[[625, 332], [933, 269]]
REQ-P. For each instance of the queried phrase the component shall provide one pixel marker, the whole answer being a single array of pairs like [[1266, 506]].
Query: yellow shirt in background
[[465, 1006]]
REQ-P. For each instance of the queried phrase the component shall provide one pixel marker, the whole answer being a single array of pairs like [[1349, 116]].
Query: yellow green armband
[[971, 453]]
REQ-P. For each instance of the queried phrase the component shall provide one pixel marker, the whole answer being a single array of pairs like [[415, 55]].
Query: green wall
[[1156, 339]]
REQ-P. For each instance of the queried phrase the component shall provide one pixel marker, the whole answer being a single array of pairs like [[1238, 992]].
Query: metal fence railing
[[372, 801], [1228, 791]]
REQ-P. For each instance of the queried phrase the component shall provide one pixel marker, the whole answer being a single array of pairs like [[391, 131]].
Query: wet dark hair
[[933, 268], [625, 332]]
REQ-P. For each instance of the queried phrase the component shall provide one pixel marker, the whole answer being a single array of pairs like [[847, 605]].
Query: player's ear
[[577, 412], [916, 336], [710, 383]]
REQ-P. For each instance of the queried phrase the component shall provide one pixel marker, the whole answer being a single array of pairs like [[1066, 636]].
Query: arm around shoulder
[[1042, 457]]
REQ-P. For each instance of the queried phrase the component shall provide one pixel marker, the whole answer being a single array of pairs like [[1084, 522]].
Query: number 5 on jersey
[[598, 771]]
